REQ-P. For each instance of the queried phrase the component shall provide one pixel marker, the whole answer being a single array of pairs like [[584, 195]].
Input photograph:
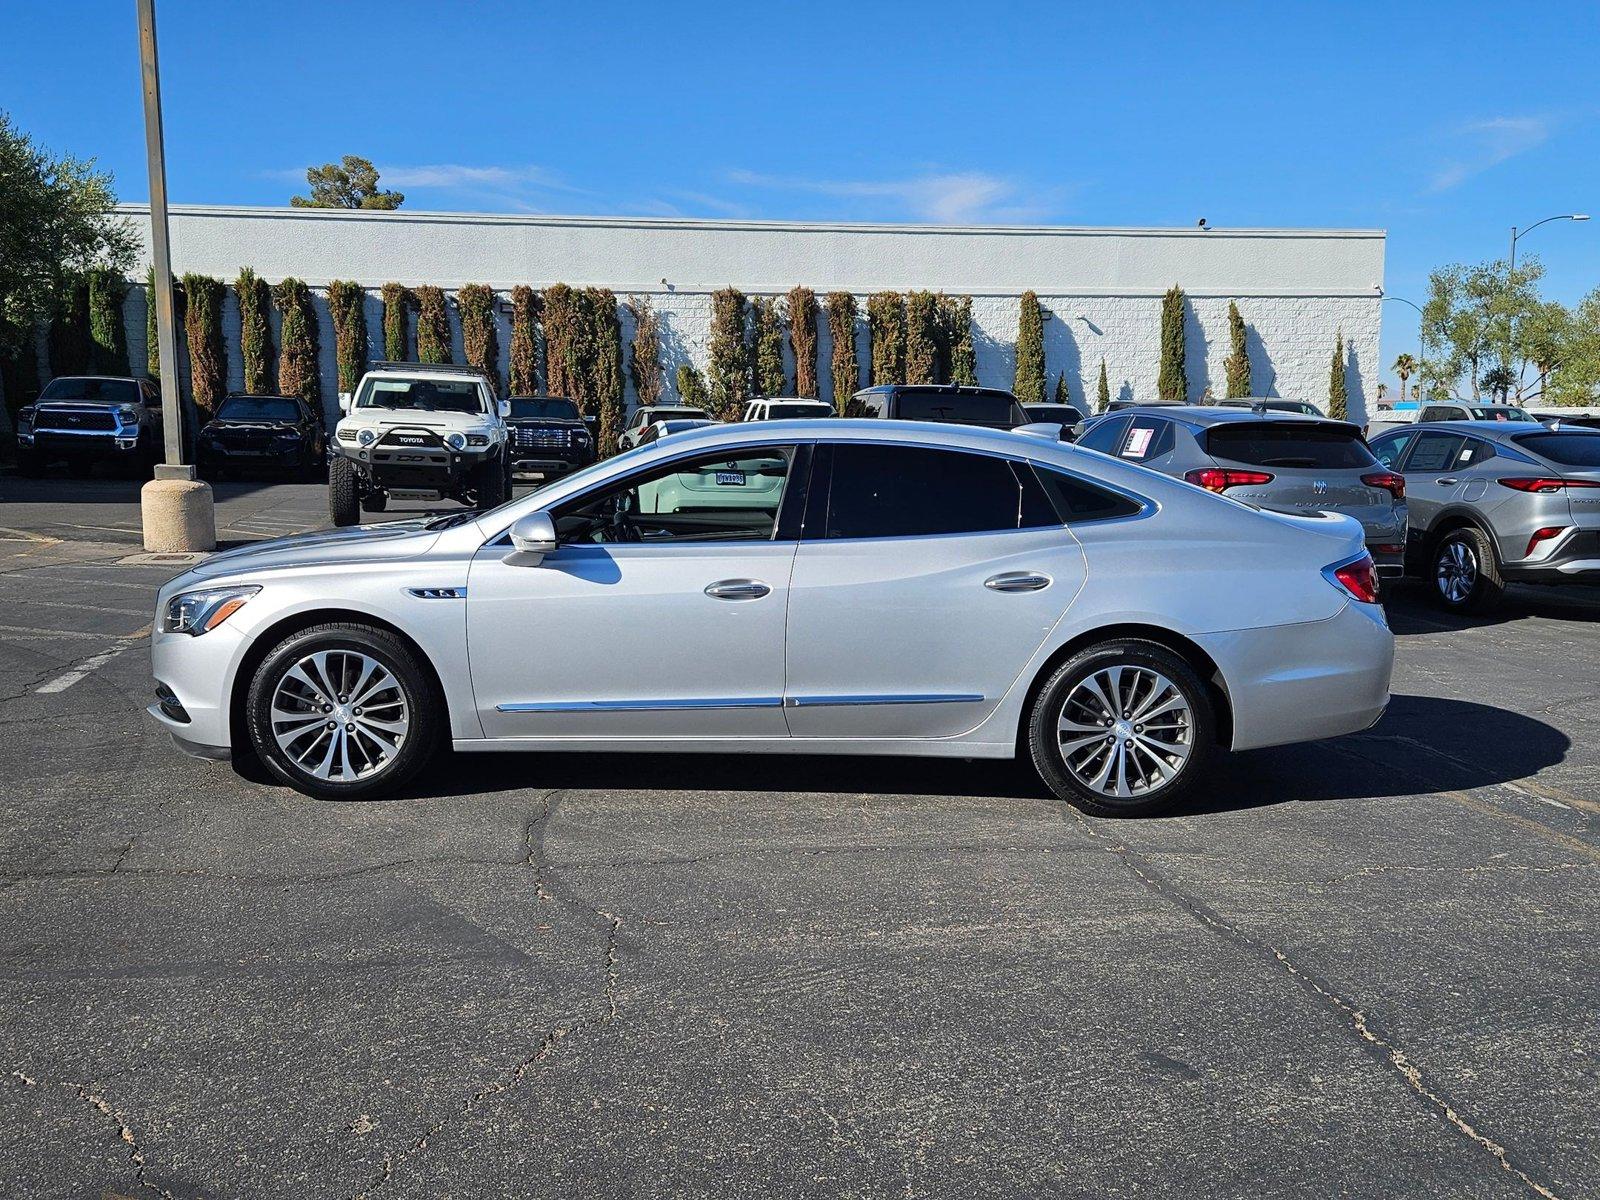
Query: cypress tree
[[1063, 392], [922, 338], [433, 326], [298, 373], [769, 378], [255, 331], [152, 349], [108, 336], [1029, 381], [524, 365], [730, 355], [886, 334], [644, 358], [480, 338], [208, 353], [347, 302], [397, 305], [605, 366], [843, 368], [68, 337], [561, 342], [1338, 387], [1236, 367], [963, 358], [691, 387], [1172, 383], [803, 340], [1103, 393]]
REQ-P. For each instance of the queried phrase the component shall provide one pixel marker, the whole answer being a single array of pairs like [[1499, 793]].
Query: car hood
[[63, 402], [564, 422], [393, 418], [363, 543]]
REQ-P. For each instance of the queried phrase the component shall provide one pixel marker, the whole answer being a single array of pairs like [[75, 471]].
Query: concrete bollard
[[178, 512]]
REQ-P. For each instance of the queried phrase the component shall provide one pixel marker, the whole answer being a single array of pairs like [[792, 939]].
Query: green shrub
[[298, 373], [1338, 384], [433, 326], [1063, 392], [524, 365], [1029, 380], [397, 305], [19, 370], [68, 337], [152, 346], [729, 353], [843, 368], [922, 338], [604, 367], [347, 302], [1103, 393], [1172, 383], [803, 340], [963, 358], [255, 331], [691, 387], [1236, 367], [208, 353], [480, 339], [886, 333], [563, 337], [108, 336], [644, 359], [769, 378]]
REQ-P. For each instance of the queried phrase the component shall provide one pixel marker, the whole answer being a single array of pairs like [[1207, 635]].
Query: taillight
[[1545, 485], [1216, 479], [1394, 484], [1543, 535], [1356, 577]]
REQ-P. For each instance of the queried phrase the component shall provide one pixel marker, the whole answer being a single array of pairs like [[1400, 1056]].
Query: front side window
[[1435, 452], [909, 491], [1439, 413], [421, 395], [732, 495]]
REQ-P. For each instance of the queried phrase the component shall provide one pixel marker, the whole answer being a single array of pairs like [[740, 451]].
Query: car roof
[[1206, 415], [114, 378], [882, 389], [1489, 429]]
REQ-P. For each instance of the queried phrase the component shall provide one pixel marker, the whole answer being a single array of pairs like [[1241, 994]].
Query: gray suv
[[1495, 502], [1287, 462]]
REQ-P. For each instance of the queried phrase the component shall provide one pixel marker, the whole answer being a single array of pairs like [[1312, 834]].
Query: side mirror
[[344, 402], [505, 409], [532, 537]]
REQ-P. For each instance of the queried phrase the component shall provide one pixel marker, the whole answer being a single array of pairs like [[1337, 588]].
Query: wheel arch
[[1450, 520]]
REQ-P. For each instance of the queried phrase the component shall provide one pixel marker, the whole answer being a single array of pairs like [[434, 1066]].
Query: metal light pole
[[177, 508], [1422, 336], [1516, 233]]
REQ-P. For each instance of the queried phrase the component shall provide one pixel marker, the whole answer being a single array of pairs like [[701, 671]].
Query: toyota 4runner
[[416, 431]]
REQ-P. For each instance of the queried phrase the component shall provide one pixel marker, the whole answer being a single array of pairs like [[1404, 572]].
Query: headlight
[[128, 414], [477, 439], [366, 437], [25, 419], [581, 436], [456, 441], [196, 612]]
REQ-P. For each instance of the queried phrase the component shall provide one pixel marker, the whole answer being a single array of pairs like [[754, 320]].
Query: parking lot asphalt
[[1364, 967]]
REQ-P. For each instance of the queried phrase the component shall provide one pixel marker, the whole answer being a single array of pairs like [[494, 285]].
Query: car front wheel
[[344, 501], [343, 712], [1466, 573], [1122, 728]]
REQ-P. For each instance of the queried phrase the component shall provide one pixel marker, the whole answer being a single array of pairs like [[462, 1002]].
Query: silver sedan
[[815, 587]]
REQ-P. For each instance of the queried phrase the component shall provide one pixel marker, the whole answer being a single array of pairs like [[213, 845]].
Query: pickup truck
[[82, 420], [548, 436]]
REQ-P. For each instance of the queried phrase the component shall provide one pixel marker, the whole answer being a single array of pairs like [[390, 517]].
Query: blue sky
[[1444, 124]]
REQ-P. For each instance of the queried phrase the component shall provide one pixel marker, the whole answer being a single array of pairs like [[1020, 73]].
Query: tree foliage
[[298, 374], [922, 338], [604, 388], [803, 340], [433, 326], [1063, 392], [963, 358], [152, 345], [1236, 367], [644, 355], [1478, 317], [347, 306], [843, 368], [524, 365], [108, 335], [1102, 395], [768, 377], [886, 334], [480, 336], [729, 353], [563, 338], [397, 305], [208, 352], [255, 331], [691, 387], [1172, 382], [1029, 380], [68, 337], [1338, 383], [351, 182]]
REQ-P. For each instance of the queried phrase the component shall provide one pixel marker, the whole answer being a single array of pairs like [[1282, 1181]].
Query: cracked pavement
[[1362, 968]]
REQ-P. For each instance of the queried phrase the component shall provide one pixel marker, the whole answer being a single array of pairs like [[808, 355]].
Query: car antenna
[[1259, 407]]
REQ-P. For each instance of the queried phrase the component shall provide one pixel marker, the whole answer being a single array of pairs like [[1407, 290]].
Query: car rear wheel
[[343, 712], [1466, 572], [344, 501], [1122, 728]]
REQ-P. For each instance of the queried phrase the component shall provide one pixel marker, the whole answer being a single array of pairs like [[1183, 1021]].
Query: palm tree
[[1405, 367]]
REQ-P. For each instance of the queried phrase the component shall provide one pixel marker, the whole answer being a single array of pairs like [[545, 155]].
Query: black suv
[[992, 408], [548, 436], [278, 433], [85, 419]]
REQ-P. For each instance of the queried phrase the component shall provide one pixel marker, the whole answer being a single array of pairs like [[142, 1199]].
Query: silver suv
[[1284, 461], [1494, 502]]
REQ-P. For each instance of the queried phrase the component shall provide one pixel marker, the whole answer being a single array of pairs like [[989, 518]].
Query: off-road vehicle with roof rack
[[418, 431]]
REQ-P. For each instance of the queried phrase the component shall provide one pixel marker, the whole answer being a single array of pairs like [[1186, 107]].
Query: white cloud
[[950, 198], [1492, 141]]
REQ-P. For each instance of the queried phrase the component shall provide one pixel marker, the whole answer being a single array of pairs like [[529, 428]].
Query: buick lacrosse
[[810, 587]]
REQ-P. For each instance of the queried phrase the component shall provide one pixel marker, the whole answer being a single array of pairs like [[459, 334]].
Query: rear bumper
[[1575, 558]]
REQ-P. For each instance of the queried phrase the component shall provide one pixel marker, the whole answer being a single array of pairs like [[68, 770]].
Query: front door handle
[[1449, 481], [1017, 581], [737, 589]]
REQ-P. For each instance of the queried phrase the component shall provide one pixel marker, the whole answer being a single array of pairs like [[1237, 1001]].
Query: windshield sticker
[[1138, 443]]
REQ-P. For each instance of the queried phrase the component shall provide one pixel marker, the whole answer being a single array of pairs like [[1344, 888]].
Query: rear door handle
[[1017, 581], [1447, 482], [737, 589]]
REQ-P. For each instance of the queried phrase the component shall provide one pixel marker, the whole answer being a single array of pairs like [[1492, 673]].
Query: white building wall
[[1101, 288]]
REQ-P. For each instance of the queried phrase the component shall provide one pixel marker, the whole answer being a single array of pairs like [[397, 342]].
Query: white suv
[[416, 431], [781, 408]]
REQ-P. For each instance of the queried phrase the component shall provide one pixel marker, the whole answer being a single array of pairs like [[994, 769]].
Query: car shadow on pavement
[[1410, 608]]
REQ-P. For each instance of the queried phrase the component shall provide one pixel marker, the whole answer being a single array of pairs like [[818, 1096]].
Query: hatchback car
[[1282, 461], [815, 587], [1493, 502]]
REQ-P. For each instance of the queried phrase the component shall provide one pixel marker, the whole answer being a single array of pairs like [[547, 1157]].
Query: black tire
[[1050, 746], [1465, 572], [344, 499], [422, 710], [491, 483]]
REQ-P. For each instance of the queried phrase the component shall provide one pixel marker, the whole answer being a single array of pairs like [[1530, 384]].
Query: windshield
[[421, 395], [1568, 449], [779, 411], [995, 409], [535, 407], [258, 408], [1499, 412], [105, 391]]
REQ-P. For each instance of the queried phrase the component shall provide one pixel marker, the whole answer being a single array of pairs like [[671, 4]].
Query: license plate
[[730, 478]]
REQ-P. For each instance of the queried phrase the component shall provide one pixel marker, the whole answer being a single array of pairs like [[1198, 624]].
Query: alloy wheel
[[1456, 571], [340, 715], [1125, 731]]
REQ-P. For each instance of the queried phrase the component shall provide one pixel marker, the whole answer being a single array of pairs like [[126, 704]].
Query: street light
[[1516, 233], [1422, 326]]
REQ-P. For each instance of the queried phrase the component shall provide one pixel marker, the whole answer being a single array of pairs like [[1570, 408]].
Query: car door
[[1431, 477], [925, 580], [660, 613]]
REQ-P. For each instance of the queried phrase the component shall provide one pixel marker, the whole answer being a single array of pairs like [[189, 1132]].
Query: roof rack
[[426, 368]]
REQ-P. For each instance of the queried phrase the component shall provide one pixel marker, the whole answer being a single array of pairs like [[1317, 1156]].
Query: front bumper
[[98, 444], [193, 680]]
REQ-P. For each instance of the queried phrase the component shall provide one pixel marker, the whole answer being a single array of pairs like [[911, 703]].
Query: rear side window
[[1440, 413], [1324, 447], [1148, 437], [908, 491], [1075, 500], [1568, 449], [1435, 452], [1473, 452], [1389, 450], [1104, 435]]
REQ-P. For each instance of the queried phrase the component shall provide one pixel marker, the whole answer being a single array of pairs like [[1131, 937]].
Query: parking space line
[[29, 602], [33, 631], [87, 667]]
